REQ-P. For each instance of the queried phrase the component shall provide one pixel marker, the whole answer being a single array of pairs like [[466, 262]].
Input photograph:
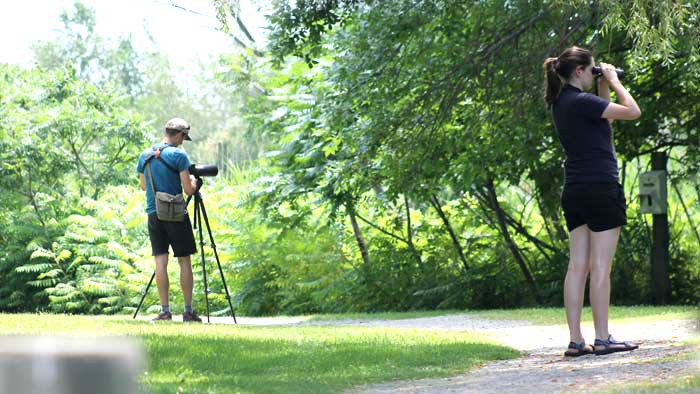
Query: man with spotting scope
[[164, 173]]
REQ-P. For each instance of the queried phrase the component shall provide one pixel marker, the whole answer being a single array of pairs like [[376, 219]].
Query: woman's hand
[[609, 72], [628, 108]]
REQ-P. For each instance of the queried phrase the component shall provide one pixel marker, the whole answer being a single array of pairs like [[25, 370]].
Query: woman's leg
[[575, 282], [603, 245]]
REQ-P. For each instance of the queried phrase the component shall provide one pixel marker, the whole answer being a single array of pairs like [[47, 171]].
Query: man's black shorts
[[602, 206], [179, 235]]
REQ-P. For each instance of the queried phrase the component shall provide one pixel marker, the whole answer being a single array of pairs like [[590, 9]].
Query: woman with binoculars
[[593, 199]]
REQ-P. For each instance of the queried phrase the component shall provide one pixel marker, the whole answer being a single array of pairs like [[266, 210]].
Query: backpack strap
[[150, 176], [156, 155]]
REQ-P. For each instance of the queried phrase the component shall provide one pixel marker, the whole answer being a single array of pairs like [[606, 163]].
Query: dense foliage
[[403, 159], [63, 141]]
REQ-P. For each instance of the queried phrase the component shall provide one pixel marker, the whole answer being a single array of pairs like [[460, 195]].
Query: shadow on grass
[[225, 364]]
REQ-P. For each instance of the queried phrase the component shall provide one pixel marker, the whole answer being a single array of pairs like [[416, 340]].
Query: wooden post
[[661, 283]]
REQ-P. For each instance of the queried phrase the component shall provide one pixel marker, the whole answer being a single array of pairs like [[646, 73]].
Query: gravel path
[[542, 368]]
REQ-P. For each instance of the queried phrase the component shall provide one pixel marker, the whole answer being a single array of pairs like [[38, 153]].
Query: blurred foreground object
[[61, 365]]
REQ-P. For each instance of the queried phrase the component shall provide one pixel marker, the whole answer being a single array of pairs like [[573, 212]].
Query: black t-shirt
[[586, 137]]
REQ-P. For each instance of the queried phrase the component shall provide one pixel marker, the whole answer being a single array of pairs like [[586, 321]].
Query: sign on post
[[652, 192]]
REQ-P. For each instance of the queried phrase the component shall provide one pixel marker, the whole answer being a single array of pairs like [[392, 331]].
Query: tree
[[92, 57], [62, 139], [428, 100]]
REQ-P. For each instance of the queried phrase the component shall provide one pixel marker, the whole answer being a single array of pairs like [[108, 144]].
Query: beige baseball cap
[[178, 124]]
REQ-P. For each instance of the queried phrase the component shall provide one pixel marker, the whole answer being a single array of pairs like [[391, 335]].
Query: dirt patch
[[542, 368]]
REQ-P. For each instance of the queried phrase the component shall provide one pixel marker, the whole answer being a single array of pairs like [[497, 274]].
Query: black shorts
[[602, 206], [179, 235]]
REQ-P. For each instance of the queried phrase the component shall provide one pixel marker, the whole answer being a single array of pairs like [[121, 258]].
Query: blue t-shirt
[[586, 137], [165, 180]]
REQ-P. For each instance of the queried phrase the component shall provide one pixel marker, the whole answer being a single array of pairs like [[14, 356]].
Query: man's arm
[[189, 183]]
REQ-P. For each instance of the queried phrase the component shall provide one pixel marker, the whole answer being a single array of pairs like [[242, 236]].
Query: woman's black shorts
[[602, 206], [179, 235]]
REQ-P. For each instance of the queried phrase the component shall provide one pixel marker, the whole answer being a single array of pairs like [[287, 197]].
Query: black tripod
[[199, 212]]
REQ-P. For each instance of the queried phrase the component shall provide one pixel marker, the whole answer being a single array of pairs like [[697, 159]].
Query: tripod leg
[[216, 254], [144, 294], [198, 205]]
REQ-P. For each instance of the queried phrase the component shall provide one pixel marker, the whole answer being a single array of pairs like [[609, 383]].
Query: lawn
[[539, 316], [194, 358]]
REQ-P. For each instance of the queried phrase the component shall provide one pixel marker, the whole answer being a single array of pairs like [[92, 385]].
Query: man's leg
[[182, 240], [575, 282], [187, 282], [603, 245], [186, 278], [162, 278]]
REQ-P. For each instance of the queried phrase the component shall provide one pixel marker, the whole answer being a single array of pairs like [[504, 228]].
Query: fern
[[121, 252], [83, 270], [35, 268], [39, 253], [93, 288], [63, 255], [105, 262], [77, 262], [42, 283], [53, 274], [111, 300], [75, 306]]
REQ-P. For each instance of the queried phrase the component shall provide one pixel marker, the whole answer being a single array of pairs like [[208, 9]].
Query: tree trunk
[[539, 244], [32, 199], [409, 233], [660, 244], [358, 234], [436, 204], [409, 243], [493, 200]]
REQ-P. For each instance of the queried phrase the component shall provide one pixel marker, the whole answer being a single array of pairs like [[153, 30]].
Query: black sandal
[[608, 348], [581, 349]]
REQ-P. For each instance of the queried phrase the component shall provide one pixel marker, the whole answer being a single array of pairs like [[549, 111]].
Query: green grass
[[539, 316], [552, 316], [317, 359], [384, 315], [224, 358]]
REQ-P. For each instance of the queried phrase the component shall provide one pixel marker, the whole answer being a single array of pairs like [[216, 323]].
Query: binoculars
[[597, 71]]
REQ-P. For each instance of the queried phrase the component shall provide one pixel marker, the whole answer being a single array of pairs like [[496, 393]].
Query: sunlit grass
[[226, 358], [539, 316]]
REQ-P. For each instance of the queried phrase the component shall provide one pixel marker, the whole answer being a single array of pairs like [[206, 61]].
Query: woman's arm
[[628, 108], [604, 91]]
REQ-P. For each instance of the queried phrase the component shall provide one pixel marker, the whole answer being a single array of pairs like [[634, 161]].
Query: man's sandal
[[612, 346], [581, 349]]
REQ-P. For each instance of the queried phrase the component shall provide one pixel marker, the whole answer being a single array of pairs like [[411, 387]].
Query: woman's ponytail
[[558, 70], [552, 80]]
